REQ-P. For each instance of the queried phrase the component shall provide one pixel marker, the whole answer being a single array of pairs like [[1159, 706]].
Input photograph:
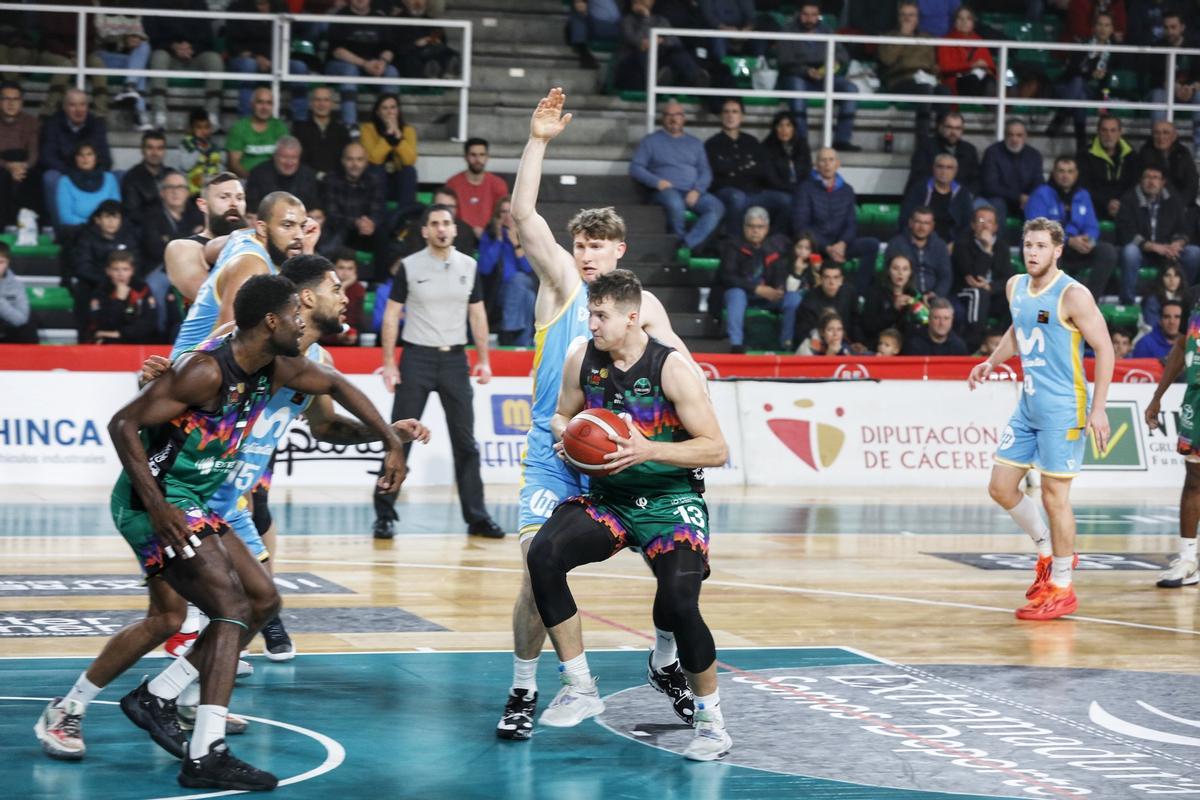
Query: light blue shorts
[[1054, 452], [242, 522], [543, 487]]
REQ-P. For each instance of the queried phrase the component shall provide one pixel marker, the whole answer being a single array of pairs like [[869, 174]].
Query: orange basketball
[[586, 442]]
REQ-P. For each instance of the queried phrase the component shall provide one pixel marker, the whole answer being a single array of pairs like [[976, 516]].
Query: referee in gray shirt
[[437, 290]]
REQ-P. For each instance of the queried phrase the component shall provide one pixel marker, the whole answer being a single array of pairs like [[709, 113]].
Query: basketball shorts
[[543, 487], [243, 524], [1189, 437], [1057, 452], [139, 532], [655, 525]]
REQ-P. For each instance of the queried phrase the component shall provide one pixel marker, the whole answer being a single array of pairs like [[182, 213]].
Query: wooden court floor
[[876, 632]]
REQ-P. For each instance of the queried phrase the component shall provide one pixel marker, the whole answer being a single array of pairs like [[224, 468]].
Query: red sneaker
[[1051, 603], [179, 644], [1041, 574]]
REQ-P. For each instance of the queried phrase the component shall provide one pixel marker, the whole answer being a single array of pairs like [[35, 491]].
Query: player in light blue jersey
[[561, 318], [1053, 315]]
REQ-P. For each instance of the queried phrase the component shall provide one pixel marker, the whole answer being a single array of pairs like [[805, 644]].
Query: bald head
[[274, 204], [674, 117], [828, 163], [287, 155], [75, 106], [354, 160]]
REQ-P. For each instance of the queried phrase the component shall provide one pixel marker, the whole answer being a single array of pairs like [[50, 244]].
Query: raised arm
[[186, 267], [1081, 309], [570, 394]]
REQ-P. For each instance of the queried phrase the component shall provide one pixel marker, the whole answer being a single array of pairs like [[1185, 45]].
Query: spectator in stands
[[1011, 170], [806, 265], [1171, 285], [1066, 202], [404, 239], [831, 293], [359, 48], [477, 190], [140, 183], [965, 69], [910, 69], [1174, 160], [17, 325], [1187, 77], [182, 43], [1122, 343], [322, 136], [345, 264], [391, 146], [789, 161], [825, 207], [18, 154], [88, 255], [1085, 76], [829, 337], [252, 139], [928, 254], [1081, 15], [802, 69], [421, 51], [891, 343], [122, 43], [939, 338], [938, 16], [174, 216], [199, 157], [58, 46], [982, 267], [62, 134], [1152, 228], [1146, 18], [890, 303], [83, 188], [991, 341], [509, 286], [249, 44], [729, 15], [753, 274], [1108, 168], [592, 21], [673, 165], [948, 139], [122, 309], [950, 202], [284, 173], [741, 172], [353, 201], [635, 45], [1158, 341]]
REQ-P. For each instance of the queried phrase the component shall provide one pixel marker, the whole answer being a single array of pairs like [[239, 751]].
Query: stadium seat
[[49, 298], [1119, 316]]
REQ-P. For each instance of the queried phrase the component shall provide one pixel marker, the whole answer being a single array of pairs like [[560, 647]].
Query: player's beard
[[328, 326], [223, 225], [277, 256]]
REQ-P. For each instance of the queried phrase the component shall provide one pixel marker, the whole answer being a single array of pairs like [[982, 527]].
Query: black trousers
[[424, 370]]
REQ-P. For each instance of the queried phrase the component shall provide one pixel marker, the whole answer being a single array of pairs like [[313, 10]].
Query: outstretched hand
[[548, 120]]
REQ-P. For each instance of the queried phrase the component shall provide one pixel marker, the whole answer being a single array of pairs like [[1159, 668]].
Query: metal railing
[[1001, 100], [281, 45]]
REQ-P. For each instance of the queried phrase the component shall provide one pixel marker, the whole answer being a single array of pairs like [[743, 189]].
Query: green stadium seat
[[424, 198], [1108, 226], [45, 246], [50, 298], [711, 264], [368, 306], [761, 329], [1118, 316]]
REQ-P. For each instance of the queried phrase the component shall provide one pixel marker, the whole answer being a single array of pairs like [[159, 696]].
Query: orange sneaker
[[180, 643], [1041, 574], [1051, 603]]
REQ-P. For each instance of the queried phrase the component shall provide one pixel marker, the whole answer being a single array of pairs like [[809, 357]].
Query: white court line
[[335, 754], [508, 651]]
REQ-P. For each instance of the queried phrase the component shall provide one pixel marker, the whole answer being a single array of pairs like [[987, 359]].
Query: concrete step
[[618, 190], [508, 75], [460, 9], [517, 27], [684, 299], [693, 325], [668, 274], [639, 220]]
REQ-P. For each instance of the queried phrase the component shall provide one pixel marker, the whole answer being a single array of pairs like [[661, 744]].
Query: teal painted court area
[[407, 725]]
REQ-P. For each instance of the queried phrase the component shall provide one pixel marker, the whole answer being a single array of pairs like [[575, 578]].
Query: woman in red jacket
[[966, 69]]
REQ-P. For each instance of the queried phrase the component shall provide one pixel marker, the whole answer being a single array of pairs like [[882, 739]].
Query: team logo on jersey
[[641, 502], [817, 444], [604, 373], [1043, 316], [641, 387], [1006, 441]]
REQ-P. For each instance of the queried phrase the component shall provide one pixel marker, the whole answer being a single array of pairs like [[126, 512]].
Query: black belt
[[446, 348]]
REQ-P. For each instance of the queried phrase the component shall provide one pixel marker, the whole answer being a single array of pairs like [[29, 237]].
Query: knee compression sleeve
[[677, 607], [568, 539]]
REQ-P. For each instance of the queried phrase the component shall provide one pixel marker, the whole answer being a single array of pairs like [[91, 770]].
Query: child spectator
[[122, 309], [199, 158], [890, 343], [1170, 285], [830, 339], [16, 324]]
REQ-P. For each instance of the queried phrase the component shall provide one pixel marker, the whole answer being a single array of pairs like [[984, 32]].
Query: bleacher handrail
[[827, 94], [281, 47]]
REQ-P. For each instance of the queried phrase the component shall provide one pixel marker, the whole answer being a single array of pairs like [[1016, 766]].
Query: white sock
[[577, 670], [1027, 514], [1060, 572], [711, 704], [525, 673], [174, 679], [190, 696], [1187, 549], [664, 649], [84, 691], [191, 623], [210, 726]]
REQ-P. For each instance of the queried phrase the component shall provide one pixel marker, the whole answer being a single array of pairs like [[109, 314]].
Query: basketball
[[586, 442]]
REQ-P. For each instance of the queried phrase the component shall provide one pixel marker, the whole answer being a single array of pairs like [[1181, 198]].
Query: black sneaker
[[221, 769], [384, 529], [486, 528], [517, 721], [671, 681], [277, 645], [157, 717]]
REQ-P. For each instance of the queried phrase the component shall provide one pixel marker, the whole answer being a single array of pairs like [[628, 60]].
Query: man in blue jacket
[[824, 207], [1011, 171], [674, 166], [1065, 202]]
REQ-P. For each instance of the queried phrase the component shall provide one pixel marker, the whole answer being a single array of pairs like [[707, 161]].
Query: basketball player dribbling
[[1053, 315]]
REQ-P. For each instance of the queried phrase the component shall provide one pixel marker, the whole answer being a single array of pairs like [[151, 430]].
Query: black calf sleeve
[[677, 607], [261, 510], [568, 539]]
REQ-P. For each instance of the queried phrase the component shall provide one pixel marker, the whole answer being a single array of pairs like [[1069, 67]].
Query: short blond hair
[[598, 223], [1057, 237]]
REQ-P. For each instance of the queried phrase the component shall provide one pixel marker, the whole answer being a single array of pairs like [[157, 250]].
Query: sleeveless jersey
[[206, 309], [1055, 393], [1191, 350], [638, 392], [195, 452], [551, 343], [258, 446]]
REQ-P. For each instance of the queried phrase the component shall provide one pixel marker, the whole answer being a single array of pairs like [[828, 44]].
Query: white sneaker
[[244, 668], [60, 729], [572, 705], [711, 741], [1182, 572], [143, 122], [160, 120]]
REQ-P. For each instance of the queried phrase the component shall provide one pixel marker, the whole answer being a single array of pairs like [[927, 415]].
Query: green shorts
[[1188, 444], [655, 525], [138, 530]]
